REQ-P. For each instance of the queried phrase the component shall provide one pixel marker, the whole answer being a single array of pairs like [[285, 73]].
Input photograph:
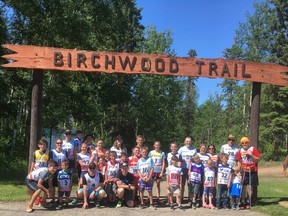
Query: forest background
[[158, 107]]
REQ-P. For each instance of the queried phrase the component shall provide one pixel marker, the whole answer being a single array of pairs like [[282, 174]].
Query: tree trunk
[[254, 124], [36, 113]]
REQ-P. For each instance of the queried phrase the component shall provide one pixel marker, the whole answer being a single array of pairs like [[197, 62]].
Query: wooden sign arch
[[46, 58]]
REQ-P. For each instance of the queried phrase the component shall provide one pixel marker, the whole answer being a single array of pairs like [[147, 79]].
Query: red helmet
[[244, 140]]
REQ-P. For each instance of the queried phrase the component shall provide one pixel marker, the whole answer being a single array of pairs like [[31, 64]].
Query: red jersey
[[132, 165], [246, 160]]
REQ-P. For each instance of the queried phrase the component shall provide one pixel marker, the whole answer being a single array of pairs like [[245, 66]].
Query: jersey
[[215, 159], [231, 151], [132, 161], [144, 166], [246, 160], [169, 156], [112, 170], [204, 158], [209, 177], [85, 158], [158, 159], [100, 152], [174, 174], [64, 180], [235, 189], [187, 153], [102, 169], [118, 152], [68, 147], [196, 173], [41, 159], [58, 157], [41, 173], [92, 182], [223, 174], [77, 143]]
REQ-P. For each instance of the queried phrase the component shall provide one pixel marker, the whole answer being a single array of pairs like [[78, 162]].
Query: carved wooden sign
[[46, 58]]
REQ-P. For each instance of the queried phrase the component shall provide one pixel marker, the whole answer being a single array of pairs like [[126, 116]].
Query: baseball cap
[[231, 137], [124, 165]]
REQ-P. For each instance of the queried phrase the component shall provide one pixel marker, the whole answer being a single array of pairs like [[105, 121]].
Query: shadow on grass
[[265, 201]]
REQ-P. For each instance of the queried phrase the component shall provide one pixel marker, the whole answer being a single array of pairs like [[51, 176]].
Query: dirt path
[[18, 208]]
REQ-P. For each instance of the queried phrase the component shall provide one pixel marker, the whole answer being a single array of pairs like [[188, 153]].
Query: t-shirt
[[196, 173], [92, 182], [65, 180], [158, 159], [144, 166], [128, 179], [187, 153], [174, 174], [68, 147], [41, 173], [231, 151], [246, 160], [41, 159], [209, 177], [169, 156], [223, 174]]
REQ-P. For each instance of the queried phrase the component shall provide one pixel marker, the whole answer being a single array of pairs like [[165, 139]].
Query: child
[[145, 167], [68, 147], [94, 155], [64, 183], [209, 184], [196, 171], [204, 157], [123, 158], [102, 165], [173, 148], [235, 190], [41, 158], [158, 158], [132, 161], [100, 150], [118, 147], [40, 180], [112, 170], [223, 180], [174, 182], [107, 155]]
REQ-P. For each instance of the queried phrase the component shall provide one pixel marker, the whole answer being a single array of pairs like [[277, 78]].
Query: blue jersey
[[145, 165], [196, 173]]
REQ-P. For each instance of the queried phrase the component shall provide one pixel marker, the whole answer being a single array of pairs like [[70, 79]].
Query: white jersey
[[174, 174], [68, 147], [231, 151], [223, 174], [92, 182], [187, 154], [204, 158], [170, 155], [41, 173], [209, 177], [145, 165], [85, 158], [112, 169], [58, 157], [118, 152]]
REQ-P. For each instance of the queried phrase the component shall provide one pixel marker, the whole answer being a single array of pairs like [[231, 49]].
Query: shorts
[[62, 193], [208, 191], [111, 188], [128, 195], [78, 167], [96, 194], [32, 185], [194, 188], [254, 178], [145, 185], [174, 189], [156, 176]]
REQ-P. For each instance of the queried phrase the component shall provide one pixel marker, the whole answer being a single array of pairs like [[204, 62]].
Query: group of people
[[108, 176]]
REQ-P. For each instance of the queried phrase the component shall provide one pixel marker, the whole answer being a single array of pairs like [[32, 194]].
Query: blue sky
[[208, 26]]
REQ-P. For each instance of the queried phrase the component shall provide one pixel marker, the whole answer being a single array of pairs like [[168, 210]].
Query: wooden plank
[[34, 57]]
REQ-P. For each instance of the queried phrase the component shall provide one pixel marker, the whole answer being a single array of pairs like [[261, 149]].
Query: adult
[[118, 147], [231, 149], [68, 147], [187, 152], [93, 182], [126, 188], [139, 143], [248, 158]]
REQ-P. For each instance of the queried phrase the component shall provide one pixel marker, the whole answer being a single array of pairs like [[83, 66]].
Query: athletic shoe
[[206, 206], [97, 205], [242, 206], [140, 206], [233, 207], [59, 207], [247, 206], [29, 209], [194, 206], [227, 209], [181, 207], [153, 207], [74, 201], [211, 206], [38, 200], [119, 204], [171, 206]]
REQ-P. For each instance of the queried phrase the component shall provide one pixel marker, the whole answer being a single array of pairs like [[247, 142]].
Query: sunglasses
[[59, 143], [230, 139], [211, 148], [244, 143]]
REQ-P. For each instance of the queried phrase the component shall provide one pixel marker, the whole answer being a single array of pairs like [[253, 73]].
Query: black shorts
[[254, 178], [62, 193], [128, 195], [32, 185], [184, 176], [55, 180]]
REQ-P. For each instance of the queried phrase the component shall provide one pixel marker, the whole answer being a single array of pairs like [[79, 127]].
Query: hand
[[85, 205]]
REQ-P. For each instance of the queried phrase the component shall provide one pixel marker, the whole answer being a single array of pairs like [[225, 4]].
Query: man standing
[[187, 152], [230, 149]]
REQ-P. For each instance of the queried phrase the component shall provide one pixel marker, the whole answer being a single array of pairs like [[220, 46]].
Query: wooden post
[[36, 113], [254, 125]]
